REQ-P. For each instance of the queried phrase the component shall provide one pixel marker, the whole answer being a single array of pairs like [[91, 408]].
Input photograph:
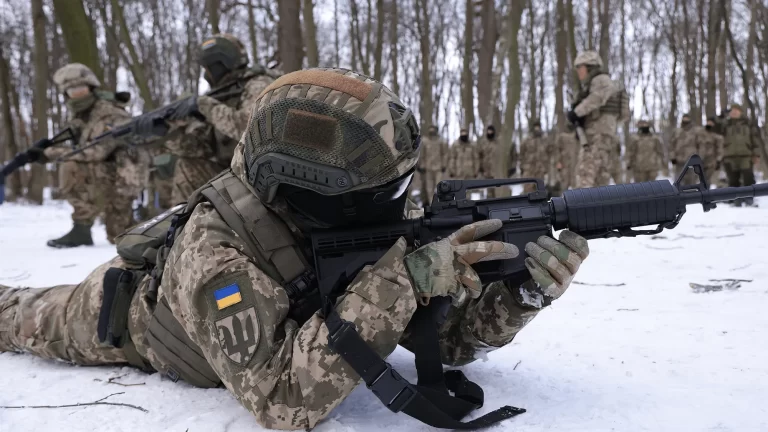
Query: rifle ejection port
[[505, 214]]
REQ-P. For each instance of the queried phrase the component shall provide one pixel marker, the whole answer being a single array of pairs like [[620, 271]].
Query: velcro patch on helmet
[[311, 130], [335, 81]]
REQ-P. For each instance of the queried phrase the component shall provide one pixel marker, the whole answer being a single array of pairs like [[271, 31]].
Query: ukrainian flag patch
[[227, 296]]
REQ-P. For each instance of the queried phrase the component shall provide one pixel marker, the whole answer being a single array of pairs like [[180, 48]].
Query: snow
[[630, 346]]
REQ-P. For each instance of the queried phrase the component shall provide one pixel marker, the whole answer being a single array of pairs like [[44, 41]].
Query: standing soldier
[[463, 162], [107, 177], [535, 153], [597, 109], [711, 150], [567, 156], [204, 148], [433, 162], [685, 142], [645, 153], [615, 168], [489, 154], [740, 147]]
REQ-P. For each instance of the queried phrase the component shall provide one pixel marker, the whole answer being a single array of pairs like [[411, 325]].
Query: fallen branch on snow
[[603, 285], [81, 404]]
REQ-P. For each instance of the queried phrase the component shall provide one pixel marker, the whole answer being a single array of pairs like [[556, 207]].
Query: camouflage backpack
[[618, 104]]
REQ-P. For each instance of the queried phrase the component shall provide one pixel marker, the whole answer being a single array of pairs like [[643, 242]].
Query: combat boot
[[749, 202], [79, 235]]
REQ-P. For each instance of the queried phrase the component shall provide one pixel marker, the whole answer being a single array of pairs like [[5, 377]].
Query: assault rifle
[[25, 157], [598, 212], [145, 128]]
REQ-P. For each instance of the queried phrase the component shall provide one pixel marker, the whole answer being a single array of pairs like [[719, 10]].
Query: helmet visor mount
[[218, 58]]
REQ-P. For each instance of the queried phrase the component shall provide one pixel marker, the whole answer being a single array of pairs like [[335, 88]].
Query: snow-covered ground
[[630, 347]]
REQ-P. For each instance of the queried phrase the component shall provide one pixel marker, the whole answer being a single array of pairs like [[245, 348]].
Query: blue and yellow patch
[[227, 296], [209, 43]]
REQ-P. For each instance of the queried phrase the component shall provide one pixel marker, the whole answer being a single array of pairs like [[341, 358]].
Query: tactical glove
[[148, 127], [552, 265], [36, 153], [574, 118], [443, 268], [185, 109], [511, 171], [674, 161]]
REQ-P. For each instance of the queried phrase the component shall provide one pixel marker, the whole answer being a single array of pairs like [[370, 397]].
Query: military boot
[[79, 235], [749, 202]]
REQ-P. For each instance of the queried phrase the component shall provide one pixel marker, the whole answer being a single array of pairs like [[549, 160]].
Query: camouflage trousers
[[537, 171], [108, 187], [595, 161], [645, 175], [617, 173], [189, 175], [57, 323]]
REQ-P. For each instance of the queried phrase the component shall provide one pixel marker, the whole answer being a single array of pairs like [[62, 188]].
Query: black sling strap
[[428, 402]]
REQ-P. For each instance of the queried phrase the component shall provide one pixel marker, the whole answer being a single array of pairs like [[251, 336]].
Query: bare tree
[[9, 136], [310, 33], [289, 35], [485, 60], [40, 107], [378, 53], [79, 37], [213, 7], [468, 77], [393, 42]]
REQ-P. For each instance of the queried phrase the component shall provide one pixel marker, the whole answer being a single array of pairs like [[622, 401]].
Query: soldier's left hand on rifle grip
[[554, 263]]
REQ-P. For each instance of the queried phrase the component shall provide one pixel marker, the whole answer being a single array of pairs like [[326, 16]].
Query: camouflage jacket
[[103, 116], [535, 155], [225, 123], [490, 157], [283, 371], [434, 154], [739, 138], [711, 149], [463, 160], [645, 153], [598, 90], [686, 142]]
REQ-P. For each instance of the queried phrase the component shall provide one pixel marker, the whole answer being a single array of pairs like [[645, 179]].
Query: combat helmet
[[588, 58], [220, 55], [73, 75], [331, 132]]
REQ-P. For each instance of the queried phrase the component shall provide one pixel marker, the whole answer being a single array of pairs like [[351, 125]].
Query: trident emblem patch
[[239, 335]]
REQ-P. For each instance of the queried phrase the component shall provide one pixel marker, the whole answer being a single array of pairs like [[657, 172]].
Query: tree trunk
[[336, 29], [112, 59], [532, 81], [289, 35], [722, 54], [591, 24], [572, 43], [134, 63], [514, 79], [379, 40], [393, 41], [467, 77], [212, 8], [252, 33], [690, 69], [713, 39], [14, 180], [79, 36], [310, 30], [605, 33], [40, 107], [425, 84], [561, 58], [485, 61], [750, 61]]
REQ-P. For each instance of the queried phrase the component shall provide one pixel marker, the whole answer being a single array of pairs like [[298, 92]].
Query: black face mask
[[645, 130], [369, 206], [708, 127], [464, 138], [537, 132], [685, 123], [490, 135], [433, 132]]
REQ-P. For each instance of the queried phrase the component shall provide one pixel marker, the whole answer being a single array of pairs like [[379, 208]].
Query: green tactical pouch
[[164, 165], [170, 342], [138, 246]]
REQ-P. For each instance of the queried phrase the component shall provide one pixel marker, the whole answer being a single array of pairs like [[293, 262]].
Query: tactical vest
[[145, 247], [617, 104]]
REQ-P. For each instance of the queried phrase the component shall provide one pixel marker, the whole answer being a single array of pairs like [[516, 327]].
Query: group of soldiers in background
[[729, 142], [197, 144], [106, 179]]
